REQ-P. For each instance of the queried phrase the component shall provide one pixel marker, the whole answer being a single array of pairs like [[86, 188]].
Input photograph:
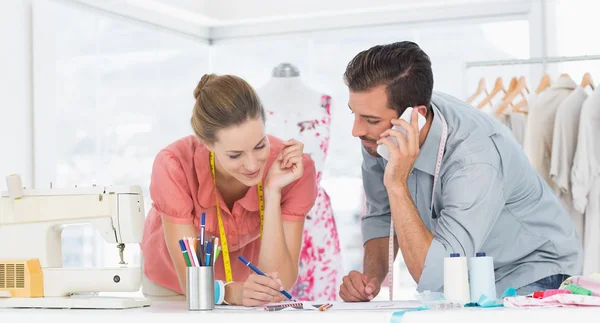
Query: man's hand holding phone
[[402, 143]]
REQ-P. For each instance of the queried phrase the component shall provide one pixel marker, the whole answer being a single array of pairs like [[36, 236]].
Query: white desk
[[175, 311], [505, 315]]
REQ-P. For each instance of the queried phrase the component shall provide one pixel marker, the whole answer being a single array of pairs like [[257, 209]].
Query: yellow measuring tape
[[224, 246]]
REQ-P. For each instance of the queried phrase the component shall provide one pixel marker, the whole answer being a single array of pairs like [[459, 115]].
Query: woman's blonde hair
[[223, 101]]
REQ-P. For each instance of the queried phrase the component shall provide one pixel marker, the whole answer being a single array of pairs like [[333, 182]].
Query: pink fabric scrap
[[559, 300]]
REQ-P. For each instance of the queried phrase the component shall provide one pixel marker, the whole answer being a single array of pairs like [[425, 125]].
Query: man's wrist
[[377, 274], [398, 190]]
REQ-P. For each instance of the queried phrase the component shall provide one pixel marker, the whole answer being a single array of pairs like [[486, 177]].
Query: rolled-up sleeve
[[169, 191], [376, 222], [473, 199]]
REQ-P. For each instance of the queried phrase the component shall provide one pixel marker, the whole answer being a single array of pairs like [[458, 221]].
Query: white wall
[[16, 91]]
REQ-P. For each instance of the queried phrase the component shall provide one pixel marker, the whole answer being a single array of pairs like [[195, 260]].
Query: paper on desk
[[360, 306], [375, 305], [337, 306], [238, 308]]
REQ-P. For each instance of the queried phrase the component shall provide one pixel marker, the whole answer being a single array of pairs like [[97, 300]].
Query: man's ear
[[422, 110]]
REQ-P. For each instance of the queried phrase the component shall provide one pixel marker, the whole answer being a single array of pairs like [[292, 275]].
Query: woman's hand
[[257, 290], [287, 168]]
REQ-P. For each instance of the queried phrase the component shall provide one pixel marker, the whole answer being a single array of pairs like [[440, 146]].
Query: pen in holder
[[200, 288]]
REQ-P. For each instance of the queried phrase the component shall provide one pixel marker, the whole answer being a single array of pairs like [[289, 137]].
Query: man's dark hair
[[403, 67]]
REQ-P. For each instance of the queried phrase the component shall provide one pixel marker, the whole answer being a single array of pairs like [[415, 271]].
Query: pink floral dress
[[320, 259]]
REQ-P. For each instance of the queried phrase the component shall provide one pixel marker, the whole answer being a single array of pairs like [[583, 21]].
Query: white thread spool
[[482, 279], [456, 279], [15, 187]]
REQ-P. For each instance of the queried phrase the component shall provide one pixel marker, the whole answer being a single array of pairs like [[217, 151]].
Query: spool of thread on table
[[482, 280], [552, 292], [15, 186], [578, 290], [456, 279]]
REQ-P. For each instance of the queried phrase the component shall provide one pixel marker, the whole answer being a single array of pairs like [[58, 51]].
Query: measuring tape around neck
[[438, 165], [222, 235]]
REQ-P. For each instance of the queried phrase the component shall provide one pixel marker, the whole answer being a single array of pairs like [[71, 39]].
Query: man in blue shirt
[[487, 197]]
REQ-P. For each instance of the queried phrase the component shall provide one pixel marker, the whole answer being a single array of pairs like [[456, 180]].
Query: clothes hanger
[[481, 87], [545, 83], [512, 85], [526, 88], [498, 86], [520, 107], [566, 76], [587, 81], [517, 87]]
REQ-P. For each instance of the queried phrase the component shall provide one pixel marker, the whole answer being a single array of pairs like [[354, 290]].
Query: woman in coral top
[[229, 125]]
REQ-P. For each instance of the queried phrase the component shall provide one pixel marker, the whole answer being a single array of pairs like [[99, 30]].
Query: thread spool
[[551, 292], [15, 186], [482, 280], [578, 290], [456, 279]]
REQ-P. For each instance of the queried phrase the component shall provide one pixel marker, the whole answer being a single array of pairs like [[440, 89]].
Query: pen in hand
[[256, 270]]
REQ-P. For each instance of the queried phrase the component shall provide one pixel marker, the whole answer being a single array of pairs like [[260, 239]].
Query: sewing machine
[[31, 227]]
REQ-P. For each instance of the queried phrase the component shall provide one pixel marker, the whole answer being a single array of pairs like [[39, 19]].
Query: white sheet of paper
[[337, 306], [238, 308], [360, 306], [375, 305]]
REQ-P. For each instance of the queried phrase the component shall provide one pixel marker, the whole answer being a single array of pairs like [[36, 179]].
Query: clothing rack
[[539, 60]]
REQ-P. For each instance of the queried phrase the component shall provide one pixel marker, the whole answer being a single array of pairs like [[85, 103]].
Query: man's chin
[[372, 151]]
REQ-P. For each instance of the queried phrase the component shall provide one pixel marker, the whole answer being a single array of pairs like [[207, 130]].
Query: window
[[112, 93]]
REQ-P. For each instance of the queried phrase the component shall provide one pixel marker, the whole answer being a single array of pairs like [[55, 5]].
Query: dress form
[[287, 88], [296, 111]]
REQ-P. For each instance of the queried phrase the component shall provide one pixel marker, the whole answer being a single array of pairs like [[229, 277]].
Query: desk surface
[[175, 311]]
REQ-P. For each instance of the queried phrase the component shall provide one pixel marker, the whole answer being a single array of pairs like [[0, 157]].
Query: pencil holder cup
[[200, 288]]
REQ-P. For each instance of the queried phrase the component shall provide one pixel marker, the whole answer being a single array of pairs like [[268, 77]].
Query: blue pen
[[256, 270], [208, 250], [202, 225]]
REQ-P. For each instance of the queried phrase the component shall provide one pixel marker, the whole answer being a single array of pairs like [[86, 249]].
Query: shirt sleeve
[[169, 190], [559, 165], [582, 175], [376, 222], [473, 199], [299, 197]]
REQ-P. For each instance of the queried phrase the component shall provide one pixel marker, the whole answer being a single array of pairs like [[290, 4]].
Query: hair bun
[[203, 81]]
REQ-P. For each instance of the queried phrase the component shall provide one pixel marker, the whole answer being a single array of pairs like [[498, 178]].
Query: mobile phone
[[383, 150]]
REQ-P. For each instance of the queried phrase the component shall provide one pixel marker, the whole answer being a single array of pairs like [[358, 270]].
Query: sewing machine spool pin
[[121, 247]]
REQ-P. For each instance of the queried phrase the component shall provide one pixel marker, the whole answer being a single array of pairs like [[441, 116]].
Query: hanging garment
[[585, 180], [517, 123], [564, 144], [540, 125], [320, 262]]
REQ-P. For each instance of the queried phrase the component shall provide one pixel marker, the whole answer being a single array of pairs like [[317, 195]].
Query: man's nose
[[358, 129]]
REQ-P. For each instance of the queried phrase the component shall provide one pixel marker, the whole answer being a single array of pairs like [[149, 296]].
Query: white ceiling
[[236, 12], [219, 19]]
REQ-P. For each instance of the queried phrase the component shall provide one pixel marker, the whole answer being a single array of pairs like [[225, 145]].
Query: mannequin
[[294, 110]]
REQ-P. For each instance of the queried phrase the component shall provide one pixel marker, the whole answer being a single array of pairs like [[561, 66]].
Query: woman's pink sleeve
[[169, 190]]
